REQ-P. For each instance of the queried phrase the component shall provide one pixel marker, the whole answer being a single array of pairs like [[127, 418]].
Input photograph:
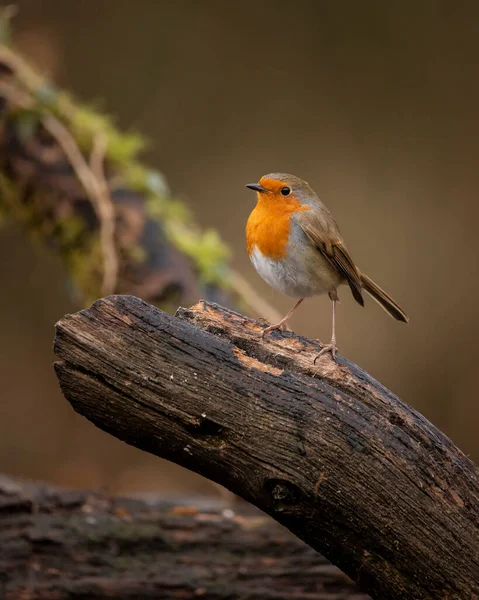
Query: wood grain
[[327, 451]]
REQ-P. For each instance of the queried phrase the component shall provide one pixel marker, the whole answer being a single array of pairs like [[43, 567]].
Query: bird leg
[[283, 320], [331, 347]]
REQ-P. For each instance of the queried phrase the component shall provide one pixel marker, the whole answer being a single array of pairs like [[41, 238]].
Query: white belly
[[300, 275]]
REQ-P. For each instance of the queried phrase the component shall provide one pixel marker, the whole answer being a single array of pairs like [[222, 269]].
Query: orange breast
[[269, 225]]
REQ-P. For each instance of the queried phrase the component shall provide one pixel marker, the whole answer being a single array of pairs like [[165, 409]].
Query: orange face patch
[[273, 185], [269, 224]]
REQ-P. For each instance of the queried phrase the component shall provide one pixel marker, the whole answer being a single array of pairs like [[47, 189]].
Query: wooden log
[[327, 450], [60, 544]]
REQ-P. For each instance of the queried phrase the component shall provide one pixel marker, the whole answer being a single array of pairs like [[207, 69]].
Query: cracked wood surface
[[327, 450]]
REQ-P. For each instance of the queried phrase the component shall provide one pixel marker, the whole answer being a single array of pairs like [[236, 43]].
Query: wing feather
[[324, 234]]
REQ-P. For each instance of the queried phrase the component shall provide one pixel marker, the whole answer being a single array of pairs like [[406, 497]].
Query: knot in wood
[[208, 427], [207, 431], [284, 494]]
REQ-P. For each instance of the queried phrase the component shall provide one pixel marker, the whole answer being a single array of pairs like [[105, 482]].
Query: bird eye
[[286, 191]]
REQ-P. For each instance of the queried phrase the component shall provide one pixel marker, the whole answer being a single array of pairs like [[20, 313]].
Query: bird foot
[[332, 348], [279, 326]]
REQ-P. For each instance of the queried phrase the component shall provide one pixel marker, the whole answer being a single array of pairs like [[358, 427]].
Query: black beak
[[257, 187]]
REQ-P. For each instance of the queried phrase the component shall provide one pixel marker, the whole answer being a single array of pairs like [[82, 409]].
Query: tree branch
[[109, 223], [75, 182], [326, 450]]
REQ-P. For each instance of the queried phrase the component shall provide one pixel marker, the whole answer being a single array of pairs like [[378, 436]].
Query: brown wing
[[322, 230]]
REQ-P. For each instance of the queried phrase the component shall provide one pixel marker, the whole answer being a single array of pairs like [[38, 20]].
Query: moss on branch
[[47, 183]]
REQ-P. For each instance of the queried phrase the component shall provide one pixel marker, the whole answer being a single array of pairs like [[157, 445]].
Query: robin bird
[[294, 244]]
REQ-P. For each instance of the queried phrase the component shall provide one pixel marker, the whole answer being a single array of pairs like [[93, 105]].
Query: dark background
[[375, 104]]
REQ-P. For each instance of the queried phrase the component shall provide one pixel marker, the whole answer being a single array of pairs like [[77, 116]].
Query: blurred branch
[[327, 451], [75, 183], [90, 222], [92, 177], [105, 213], [72, 544]]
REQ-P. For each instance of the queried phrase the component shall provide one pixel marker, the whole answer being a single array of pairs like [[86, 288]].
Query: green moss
[[80, 252], [26, 123], [47, 95], [85, 269], [122, 148], [82, 255], [135, 253], [205, 248], [72, 227], [137, 177]]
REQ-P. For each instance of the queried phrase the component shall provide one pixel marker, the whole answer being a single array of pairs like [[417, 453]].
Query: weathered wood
[[326, 450], [58, 545]]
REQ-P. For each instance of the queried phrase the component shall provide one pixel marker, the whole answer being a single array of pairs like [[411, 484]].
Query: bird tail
[[383, 299]]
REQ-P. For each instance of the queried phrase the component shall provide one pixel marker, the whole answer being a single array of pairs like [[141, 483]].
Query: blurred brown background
[[375, 104]]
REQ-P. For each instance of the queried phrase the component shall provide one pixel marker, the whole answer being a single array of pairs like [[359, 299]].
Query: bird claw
[[332, 348], [280, 327]]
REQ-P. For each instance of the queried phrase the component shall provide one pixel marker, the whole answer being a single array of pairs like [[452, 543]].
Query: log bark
[[327, 450], [60, 544]]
